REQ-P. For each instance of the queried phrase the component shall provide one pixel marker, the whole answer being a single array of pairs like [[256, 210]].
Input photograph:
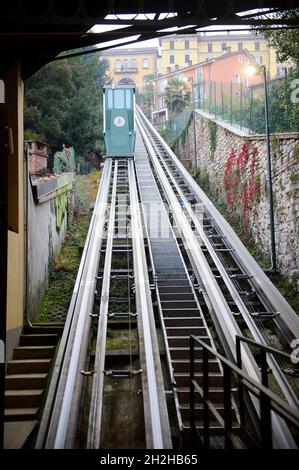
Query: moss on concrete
[[62, 275]]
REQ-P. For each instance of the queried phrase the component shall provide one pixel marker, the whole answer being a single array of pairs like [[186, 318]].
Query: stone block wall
[[235, 163], [45, 238]]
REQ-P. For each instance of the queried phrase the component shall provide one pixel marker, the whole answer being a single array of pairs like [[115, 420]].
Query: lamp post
[[194, 129], [261, 69]]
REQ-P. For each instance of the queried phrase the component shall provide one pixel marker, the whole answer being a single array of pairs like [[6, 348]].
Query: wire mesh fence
[[242, 106]]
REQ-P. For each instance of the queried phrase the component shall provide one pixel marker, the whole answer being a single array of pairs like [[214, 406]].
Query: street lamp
[[256, 70]]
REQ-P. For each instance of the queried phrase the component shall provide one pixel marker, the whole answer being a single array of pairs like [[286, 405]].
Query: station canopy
[[37, 32]]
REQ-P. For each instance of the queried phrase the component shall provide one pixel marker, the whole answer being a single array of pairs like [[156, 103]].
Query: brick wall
[[37, 157]]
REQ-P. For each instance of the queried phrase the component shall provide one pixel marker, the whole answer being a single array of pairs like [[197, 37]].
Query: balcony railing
[[126, 70]]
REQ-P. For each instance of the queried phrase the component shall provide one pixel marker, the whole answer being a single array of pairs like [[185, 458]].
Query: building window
[[133, 64], [171, 59], [240, 46], [187, 44], [117, 64], [171, 44], [187, 58], [126, 64], [223, 46], [210, 47], [237, 78], [119, 99], [145, 64], [280, 71], [259, 59], [256, 46]]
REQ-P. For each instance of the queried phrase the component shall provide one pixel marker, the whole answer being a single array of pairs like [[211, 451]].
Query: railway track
[[159, 264]]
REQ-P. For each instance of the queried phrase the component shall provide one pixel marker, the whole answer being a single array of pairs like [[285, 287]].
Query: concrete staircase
[[26, 381]]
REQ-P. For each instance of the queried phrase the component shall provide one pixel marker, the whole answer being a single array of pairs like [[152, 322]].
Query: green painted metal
[[64, 161], [119, 125]]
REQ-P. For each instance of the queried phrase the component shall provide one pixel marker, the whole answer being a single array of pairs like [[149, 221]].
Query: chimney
[[189, 63], [177, 67], [168, 69], [38, 156]]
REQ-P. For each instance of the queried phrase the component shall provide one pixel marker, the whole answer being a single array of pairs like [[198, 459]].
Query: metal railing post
[[264, 368], [240, 383], [231, 103], [241, 106], [192, 392], [227, 406], [266, 429], [206, 413]]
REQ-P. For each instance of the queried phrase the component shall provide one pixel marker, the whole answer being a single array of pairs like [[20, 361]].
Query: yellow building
[[132, 65], [181, 50], [176, 49]]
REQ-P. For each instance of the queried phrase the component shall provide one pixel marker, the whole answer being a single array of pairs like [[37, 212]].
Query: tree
[[63, 104], [146, 98], [285, 41], [178, 96]]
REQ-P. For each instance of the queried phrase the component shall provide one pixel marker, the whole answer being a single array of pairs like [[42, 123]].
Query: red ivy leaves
[[239, 181]]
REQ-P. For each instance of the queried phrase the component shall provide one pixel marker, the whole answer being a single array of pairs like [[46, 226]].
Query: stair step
[[214, 427], [184, 341], [175, 290], [176, 296], [186, 321], [215, 395], [183, 365], [184, 352], [183, 379], [38, 339], [23, 398], [25, 381], [20, 414], [45, 328], [175, 312], [168, 276], [34, 352], [29, 366], [179, 304], [186, 330], [185, 412], [173, 282], [172, 279], [16, 433]]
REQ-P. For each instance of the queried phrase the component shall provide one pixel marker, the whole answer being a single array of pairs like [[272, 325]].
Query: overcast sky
[[155, 42]]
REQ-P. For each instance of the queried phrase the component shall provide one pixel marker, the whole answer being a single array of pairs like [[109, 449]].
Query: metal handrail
[[269, 402]]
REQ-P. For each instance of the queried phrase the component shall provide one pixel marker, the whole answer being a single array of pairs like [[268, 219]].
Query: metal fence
[[244, 107], [175, 124]]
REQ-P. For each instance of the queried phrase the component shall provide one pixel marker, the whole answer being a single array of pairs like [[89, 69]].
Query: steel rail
[[70, 320], [152, 406], [202, 269], [257, 335], [72, 352], [246, 261], [168, 355], [96, 405], [198, 260]]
